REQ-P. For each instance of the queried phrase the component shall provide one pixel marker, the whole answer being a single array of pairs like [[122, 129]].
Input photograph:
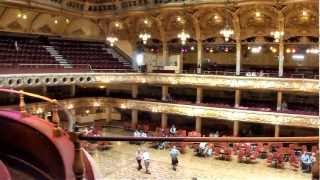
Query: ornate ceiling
[[202, 19]]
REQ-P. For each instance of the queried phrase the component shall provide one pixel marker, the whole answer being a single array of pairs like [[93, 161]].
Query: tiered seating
[[22, 50], [93, 53]]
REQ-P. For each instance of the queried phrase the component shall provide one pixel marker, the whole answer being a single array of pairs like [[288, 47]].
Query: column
[[237, 98], [276, 130], [134, 91], [164, 93], [199, 95], [198, 124], [238, 57], [236, 128], [165, 53], [109, 114], [73, 90], [134, 118], [279, 100], [164, 120], [281, 45], [199, 57], [180, 63], [281, 57]]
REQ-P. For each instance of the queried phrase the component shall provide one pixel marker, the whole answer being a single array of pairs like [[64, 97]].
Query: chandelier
[[227, 33], [183, 36], [112, 40], [144, 37], [277, 35]]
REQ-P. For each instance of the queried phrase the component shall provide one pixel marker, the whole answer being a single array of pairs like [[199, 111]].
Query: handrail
[[54, 102], [311, 139]]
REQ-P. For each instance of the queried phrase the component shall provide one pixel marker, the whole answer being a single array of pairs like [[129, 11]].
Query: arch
[[83, 27]]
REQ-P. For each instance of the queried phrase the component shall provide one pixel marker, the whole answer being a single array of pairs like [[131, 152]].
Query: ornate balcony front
[[192, 80]]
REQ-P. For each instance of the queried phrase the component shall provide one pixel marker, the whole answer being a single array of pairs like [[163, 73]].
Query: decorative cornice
[[192, 80], [192, 110]]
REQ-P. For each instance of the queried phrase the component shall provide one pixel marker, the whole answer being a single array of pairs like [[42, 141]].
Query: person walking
[[146, 161], [139, 159], [174, 153]]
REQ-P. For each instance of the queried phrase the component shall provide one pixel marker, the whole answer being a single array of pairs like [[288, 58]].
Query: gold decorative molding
[[219, 113], [192, 80], [195, 80], [274, 118]]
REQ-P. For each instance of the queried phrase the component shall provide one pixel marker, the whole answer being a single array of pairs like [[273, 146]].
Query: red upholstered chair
[[294, 161]]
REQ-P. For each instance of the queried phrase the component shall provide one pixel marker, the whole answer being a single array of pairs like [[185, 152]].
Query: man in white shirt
[[173, 130], [146, 161]]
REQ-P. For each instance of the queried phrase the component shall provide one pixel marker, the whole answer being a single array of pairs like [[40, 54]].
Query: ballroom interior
[[232, 85]]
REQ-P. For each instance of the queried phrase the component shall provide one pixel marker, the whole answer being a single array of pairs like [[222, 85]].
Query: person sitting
[[173, 130], [216, 134], [306, 162], [202, 148]]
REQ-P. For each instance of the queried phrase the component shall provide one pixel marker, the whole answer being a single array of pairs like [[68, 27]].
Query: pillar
[[165, 53], [281, 57], [73, 90], [164, 120], [237, 98], [238, 57], [279, 100], [236, 128], [134, 91], [109, 114], [199, 95], [134, 118], [198, 124], [164, 93], [276, 130], [281, 45], [199, 57], [180, 63]]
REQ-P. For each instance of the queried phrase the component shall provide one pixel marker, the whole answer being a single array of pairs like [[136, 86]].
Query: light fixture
[[258, 14], [144, 37], [146, 21], [56, 21], [24, 16], [192, 48], [313, 51], [117, 24], [96, 104], [19, 15], [273, 49], [298, 56], [256, 50], [304, 13], [67, 20], [87, 111], [179, 19], [277, 35], [70, 106], [227, 33], [183, 36], [112, 40]]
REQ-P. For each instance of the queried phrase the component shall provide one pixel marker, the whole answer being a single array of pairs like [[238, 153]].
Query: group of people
[[138, 133], [143, 156], [204, 150], [307, 159]]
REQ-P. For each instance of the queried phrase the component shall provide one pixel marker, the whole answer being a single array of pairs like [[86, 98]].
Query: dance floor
[[119, 163]]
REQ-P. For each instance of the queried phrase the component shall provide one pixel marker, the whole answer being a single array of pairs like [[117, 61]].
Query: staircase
[[58, 57], [115, 54]]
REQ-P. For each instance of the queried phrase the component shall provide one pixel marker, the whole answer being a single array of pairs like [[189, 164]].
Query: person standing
[[173, 130], [139, 159], [174, 153], [146, 161]]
